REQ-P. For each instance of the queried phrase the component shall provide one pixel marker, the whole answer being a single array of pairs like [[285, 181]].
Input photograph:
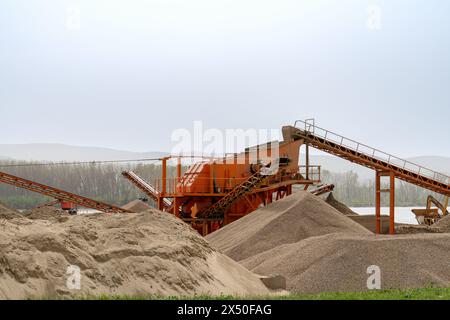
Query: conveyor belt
[[59, 194]]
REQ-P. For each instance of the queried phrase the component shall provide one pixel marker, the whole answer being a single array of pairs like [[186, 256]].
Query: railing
[[309, 127], [200, 185], [224, 185]]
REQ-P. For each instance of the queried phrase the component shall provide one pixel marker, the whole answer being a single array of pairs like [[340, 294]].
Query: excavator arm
[[443, 207], [429, 215]]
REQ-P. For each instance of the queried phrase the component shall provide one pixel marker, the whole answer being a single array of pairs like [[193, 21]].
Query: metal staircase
[[241, 190]]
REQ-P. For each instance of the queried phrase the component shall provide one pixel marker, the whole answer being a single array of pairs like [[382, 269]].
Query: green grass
[[407, 294], [430, 293]]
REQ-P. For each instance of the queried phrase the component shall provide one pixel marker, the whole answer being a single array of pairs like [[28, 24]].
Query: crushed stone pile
[[369, 222], [443, 225], [294, 218], [149, 253], [136, 206], [339, 206], [47, 213], [339, 262], [7, 213], [414, 229]]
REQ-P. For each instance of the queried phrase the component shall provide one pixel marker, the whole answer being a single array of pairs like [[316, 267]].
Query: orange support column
[[392, 204], [269, 197], [164, 176], [211, 178], [307, 162], [176, 208], [289, 190], [378, 202], [179, 170], [164, 184], [391, 191]]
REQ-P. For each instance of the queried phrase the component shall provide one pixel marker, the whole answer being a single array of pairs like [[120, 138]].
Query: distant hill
[[61, 152]]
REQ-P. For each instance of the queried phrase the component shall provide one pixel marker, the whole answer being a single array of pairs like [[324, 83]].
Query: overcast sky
[[125, 74]]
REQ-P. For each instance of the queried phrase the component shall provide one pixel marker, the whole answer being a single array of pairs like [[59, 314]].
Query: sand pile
[[442, 225], [339, 262], [7, 213], [369, 222], [339, 206], [294, 218], [126, 254], [47, 213], [136, 206], [415, 229]]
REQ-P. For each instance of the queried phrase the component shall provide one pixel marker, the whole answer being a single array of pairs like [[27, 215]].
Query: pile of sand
[[318, 249], [136, 206], [339, 206], [415, 229], [125, 254], [369, 222], [7, 213], [47, 213], [442, 225], [294, 218], [339, 262]]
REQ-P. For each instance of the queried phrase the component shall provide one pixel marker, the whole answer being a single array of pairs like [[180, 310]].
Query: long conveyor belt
[[364, 155], [59, 194]]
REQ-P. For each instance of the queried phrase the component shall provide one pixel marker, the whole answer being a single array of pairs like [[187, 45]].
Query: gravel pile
[[339, 262], [7, 213], [149, 253], [339, 206], [294, 218], [415, 229], [442, 225], [136, 206], [47, 213]]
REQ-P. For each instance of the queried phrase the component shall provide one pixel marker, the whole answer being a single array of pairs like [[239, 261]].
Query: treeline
[[104, 182], [355, 193]]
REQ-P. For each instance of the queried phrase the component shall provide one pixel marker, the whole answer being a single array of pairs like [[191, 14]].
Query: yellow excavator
[[431, 215]]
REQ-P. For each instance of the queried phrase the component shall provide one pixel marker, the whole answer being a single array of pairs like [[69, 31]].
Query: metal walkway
[[364, 155], [59, 194]]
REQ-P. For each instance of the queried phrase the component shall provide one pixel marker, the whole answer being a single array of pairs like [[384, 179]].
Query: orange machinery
[[216, 192], [213, 193]]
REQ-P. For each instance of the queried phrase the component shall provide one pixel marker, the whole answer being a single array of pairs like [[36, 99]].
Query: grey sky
[[137, 70]]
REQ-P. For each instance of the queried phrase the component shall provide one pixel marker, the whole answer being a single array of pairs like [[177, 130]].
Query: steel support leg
[[378, 202], [392, 204]]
